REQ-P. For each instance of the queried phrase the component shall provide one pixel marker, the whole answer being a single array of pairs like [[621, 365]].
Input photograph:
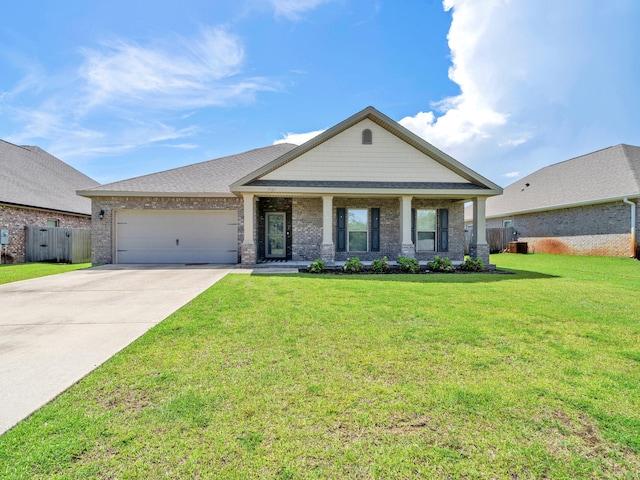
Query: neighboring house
[[584, 206], [367, 187], [39, 190]]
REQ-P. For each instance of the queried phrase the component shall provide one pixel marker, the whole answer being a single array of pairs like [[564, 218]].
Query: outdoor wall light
[[101, 214]]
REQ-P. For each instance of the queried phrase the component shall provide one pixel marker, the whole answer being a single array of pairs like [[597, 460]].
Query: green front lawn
[[26, 271], [529, 375]]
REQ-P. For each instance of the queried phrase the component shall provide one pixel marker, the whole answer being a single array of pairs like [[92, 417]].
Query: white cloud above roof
[[189, 73], [298, 138]]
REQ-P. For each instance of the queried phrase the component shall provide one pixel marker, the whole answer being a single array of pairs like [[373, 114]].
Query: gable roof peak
[[392, 127]]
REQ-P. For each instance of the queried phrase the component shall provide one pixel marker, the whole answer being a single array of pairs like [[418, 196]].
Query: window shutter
[[443, 237], [375, 230], [341, 230], [413, 225]]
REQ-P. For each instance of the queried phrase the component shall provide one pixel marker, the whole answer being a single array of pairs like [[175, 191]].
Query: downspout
[[633, 225]]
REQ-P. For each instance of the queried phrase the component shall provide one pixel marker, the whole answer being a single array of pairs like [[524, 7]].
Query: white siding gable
[[345, 158]]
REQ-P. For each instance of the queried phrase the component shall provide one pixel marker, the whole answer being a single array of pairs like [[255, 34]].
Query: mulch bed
[[395, 270]]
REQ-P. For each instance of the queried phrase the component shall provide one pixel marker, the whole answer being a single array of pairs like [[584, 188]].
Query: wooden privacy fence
[[58, 244], [497, 238]]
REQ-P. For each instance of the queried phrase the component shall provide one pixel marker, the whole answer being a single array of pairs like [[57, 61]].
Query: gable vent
[[367, 137]]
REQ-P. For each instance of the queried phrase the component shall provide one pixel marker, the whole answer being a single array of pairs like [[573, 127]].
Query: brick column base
[[248, 254], [408, 250], [480, 251], [328, 252]]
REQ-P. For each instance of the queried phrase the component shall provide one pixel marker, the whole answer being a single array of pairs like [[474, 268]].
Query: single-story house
[[365, 188], [587, 205], [39, 190]]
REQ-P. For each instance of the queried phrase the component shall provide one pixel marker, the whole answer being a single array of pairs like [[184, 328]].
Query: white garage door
[[172, 236]]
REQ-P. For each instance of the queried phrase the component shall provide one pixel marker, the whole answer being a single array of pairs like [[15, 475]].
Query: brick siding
[[602, 229], [306, 223], [307, 227], [15, 219]]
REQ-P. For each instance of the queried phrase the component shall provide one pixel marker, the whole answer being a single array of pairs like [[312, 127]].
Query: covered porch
[[295, 229]]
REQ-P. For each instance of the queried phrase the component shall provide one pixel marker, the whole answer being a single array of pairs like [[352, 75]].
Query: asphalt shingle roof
[[31, 177], [210, 177], [610, 173]]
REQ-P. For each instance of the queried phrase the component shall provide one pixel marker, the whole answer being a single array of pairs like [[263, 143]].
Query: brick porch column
[[408, 248], [248, 250], [478, 247], [328, 250]]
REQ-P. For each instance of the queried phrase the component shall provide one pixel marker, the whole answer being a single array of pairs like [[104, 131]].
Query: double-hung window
[[426, 223], [358, 230]]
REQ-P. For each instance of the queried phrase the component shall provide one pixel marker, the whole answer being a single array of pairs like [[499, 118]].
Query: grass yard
[[25, 271], [530, 375]]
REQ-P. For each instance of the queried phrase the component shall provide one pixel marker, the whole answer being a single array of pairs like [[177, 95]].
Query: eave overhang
[[118, 193], [45, 209], [563, 206]]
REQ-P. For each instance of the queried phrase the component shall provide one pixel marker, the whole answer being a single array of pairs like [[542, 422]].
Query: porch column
[[479, 248], [248, 251], [408, 248], [328, 250]]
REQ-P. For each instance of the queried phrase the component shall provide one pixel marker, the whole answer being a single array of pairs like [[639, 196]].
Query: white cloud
[[122, 85], [530, 76], [298, 138], [511, 174], [293, 9], [189, 73]]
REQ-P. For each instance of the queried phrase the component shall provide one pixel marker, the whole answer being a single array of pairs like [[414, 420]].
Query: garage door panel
[[177, 236]]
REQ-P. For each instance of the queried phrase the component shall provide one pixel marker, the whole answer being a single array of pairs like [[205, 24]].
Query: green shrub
[[409, 265], [317, 266], [380, 266], [353, 265], [471, 265], [441, 265]]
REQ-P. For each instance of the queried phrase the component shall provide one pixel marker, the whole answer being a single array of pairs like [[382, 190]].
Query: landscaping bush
[[471, 265], [441, 265], [317, 266], [409, 265], [380, 266], [353, 265]]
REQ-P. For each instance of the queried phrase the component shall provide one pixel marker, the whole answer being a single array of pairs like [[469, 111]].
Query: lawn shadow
[[486, 277]]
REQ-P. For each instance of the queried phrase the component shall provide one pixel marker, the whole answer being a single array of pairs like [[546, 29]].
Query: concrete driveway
[[54, 330]]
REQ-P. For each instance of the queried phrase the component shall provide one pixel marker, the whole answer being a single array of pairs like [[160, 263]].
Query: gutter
[[633, 225]]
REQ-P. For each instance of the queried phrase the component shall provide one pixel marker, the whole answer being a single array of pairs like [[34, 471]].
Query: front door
[[276, 235]]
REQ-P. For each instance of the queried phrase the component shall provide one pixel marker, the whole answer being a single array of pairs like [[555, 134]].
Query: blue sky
[[119, 89]]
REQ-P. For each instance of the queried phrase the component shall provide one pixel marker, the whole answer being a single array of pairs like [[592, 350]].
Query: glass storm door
[[276, 235]]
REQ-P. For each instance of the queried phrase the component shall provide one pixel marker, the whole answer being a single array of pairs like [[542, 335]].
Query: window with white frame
[[426, 223], [52, 223], [507, 223], [358, 230]]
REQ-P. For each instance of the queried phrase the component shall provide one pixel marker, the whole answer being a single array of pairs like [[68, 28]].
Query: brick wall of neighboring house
[[15, 219], [602, 229], [102, 237]]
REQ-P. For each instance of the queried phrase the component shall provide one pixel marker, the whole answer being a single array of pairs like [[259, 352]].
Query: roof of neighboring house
[[31, 177], [212, 177], [605, 175]]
